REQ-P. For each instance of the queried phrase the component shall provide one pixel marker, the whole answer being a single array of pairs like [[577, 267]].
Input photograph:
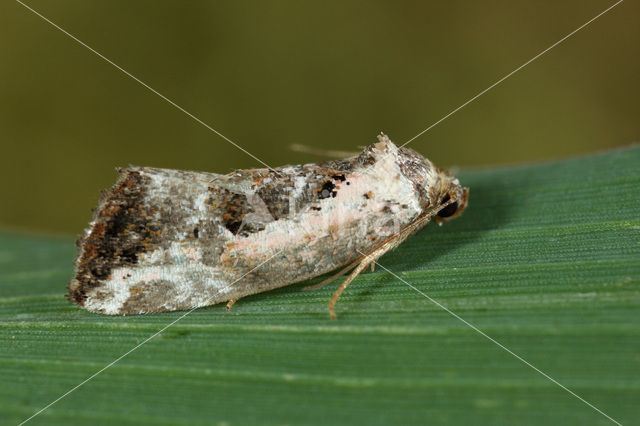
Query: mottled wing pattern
[[163, 240]]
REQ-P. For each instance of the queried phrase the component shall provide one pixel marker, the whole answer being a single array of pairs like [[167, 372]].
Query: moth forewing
[[164, 240]]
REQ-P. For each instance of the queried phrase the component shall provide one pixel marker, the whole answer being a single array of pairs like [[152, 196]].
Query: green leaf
[[546, 261]]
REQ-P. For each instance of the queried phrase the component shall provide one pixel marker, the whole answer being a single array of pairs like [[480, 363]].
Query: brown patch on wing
[[121, 231], [275, 190], [232, 208], [235, 208], [276, 194], [147, 298]]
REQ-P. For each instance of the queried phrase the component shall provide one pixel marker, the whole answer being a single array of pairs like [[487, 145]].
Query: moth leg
[[230, 303], [369, 259], [364, 263], [373, 266], [333, 277]]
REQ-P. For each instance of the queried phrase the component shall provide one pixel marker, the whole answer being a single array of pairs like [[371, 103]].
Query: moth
[[166, 240]]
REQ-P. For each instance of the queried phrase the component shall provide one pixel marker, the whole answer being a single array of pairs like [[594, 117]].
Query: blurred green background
[[324, 74]]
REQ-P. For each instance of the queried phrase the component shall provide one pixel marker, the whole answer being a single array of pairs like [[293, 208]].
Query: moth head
[[451, 199], [437, 190]]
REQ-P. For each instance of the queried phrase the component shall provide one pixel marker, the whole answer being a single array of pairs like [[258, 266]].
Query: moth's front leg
[[371, 257]]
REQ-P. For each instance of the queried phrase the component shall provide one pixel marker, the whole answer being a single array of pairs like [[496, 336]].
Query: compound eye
[[450, 210]]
